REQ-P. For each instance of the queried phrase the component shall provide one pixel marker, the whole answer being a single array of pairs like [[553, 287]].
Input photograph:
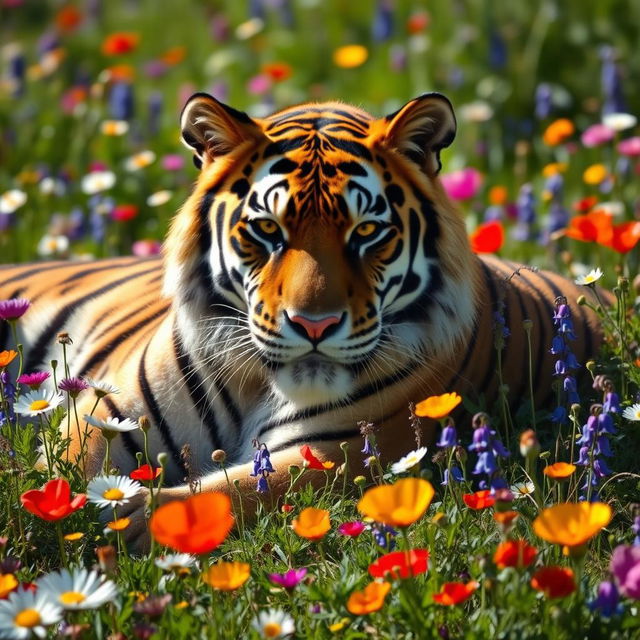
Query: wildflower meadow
[[519, 522]]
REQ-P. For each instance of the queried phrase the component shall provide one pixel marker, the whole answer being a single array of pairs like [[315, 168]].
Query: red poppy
[[68, 18], [277, 71], [554, 582], [145, 473], [312, 462], [586, 204], [592, 227], [479, 499], [119, 43], [487, 238], [455, 592], [417, 22], [625, 236], [124, 212], [53, 502], [400, 564], [514, 553]]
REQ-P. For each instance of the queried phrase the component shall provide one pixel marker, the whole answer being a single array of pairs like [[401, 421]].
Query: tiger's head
[[319, 242]]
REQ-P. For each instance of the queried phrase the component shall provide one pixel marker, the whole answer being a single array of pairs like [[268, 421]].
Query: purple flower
[[559, 415], [34, 380], [611, 80], [73, 386], [121, 101], [448, 437], [263, 484], [383, 21], [625, 566], [290, 579], [635, 527], [14, 308], [481, 439], [261, 466], [455, 475], [543, 100], [486, 464], [611, 402], [172, 162], [607, 603], [384, 536]]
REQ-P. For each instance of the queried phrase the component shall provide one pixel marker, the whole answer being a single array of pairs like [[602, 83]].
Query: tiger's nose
[[315, 330]]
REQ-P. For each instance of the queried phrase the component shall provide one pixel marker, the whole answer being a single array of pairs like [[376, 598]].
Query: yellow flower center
[[28, 618], [37, 405], [113, 494], [272, 630], [72, 597]]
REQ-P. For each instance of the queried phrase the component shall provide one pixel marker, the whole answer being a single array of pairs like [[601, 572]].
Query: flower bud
[[359, 481], [139, 458], [218, 456], [344, 446], [370, 460], [527, 324], [162, 459], [64, 338], [144, 423], [341, 469], [591, 365], [529, 445], [623, 283], [581, 301], [294, 470]]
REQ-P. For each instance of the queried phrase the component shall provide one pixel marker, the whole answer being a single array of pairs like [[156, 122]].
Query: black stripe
[[127, 439], [493, 299], [71, 280], [34, 271], [317, 437]]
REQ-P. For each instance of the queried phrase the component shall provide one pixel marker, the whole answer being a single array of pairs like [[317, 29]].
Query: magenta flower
[[352, 529], [630, 146], [463, 184], [145, 248], [596, 135], [259, 85], [14, 308], [172, 162], [34, 380], [73, 386], [288, 580], [625, 566]]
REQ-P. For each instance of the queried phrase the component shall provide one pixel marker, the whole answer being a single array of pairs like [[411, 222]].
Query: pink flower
[[290, 579], [34, 380], [596, 135], [625, 566], [463, 184], [13, 308], [145, 248], [172, 162], [97, 166], [352, 529], [630, 146], [259, 85]]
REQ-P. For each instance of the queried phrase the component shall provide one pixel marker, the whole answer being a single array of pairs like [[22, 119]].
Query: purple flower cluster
[[384, 536], [9, 392], [261, 466], [558, 214], [448, 441], [526, 214], [489, 450]]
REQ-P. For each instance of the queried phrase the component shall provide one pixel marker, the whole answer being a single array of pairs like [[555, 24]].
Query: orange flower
[[554, 582], [625, 236], [554, 169], [350, 56], [227, 576], [119, 43], [572, 524], [558, 131], [559, 470], [400, 564], [438, 406], [592, 227], [8, 583], [174, 56], [586, 204], [505, 518], [68, 18], [121, 73], [455, 592], [487, 238], [198, 524], [119, 525], [417, 22], [514, 553], [311, 462], [399, 504], [277, 71], [479, 499], [312, 523], [6, 357], [370, 599], [498, 195]]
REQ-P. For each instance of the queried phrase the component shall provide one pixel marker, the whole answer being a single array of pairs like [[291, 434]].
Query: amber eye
[[267, 226], [366, 229]]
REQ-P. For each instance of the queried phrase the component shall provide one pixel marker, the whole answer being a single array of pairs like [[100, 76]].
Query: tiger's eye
[[267, 226], [366, 229]]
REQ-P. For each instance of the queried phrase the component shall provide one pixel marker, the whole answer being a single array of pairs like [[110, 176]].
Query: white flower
[[632, 412], [112, 491], [101, 387], [24, 613], [97, 181], [522, 489], [591, 278], [12, 200], [139, 160], [409, 461], [273, 624], [52, 245], [76, 590], [114, 127], [34, 403], [619, 121], [52, 186], [478, 111], [249, 28], [175, 562], [112, 424], [159, 198], [614, 208]]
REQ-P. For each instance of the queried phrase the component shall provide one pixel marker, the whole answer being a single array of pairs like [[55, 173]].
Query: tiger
[[316, 277]]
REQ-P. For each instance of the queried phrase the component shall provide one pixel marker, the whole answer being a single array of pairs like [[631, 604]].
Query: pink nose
[[315, 328]]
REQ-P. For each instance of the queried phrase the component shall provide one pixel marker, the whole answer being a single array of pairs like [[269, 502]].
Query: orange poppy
[[121, 73], [586, 204], [554, 582], [498, 195], [505, 517], [558, 131], [453, 593], [400, 564], [591, 227], [559, 470], [479, 499], [312, 523], [514, 553], [7, 357], [572, 524], [227, 576], [116, 44], [595, 174], [487, 238], [68, 18], [277, 71], [174, 56], [625, 236], [311, 462], [438, 406], [370, 599], [417, 22], [197, 525]]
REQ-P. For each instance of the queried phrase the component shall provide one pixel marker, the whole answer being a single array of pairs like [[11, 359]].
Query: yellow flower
[[119, 525], [8, 583], [438, 406], [572, 524], [554, 168], [74, 537], [312, 523], [399, 504], [370, 599], [339, 626], [350, 56], [227, 576], [595, 174]]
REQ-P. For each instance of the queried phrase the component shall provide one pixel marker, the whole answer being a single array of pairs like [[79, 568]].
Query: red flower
[[53, 502], [286, 508], [554, 582], [479, 499], [116, 44], [455, 592], [625, 236], [312, 462], [585, 205], [487, 238], [592, 227], [124, 212], [514, 553], [145, 473], [400, 564], [277, 71], [352, 529], [68, 18]]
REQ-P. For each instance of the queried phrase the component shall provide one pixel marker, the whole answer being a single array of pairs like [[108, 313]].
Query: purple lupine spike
[[382, 28], [121, 104], [543, 99]]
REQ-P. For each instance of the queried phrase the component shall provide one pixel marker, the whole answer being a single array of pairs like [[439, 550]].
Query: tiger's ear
[[421, 129], [211, 129]]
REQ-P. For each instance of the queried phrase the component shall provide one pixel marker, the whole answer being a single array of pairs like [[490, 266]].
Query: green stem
[[63, 553]]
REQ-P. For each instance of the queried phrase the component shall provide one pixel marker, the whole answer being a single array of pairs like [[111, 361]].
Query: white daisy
[[12, 200], [101, 387], [409, 461], [52, 186], [76, 590], [619, 121], [139, 160], [478, 111], [114, 127], [176, 562], [112, 491], [522, 489], [24, 613], [97, 181], [159, 198], [632, 412], [273, 624], [591, 278], [34, 403], [112, 424], [52, 245]]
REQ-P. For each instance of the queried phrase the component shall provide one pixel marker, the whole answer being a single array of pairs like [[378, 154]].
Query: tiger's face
[[327, 232]]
